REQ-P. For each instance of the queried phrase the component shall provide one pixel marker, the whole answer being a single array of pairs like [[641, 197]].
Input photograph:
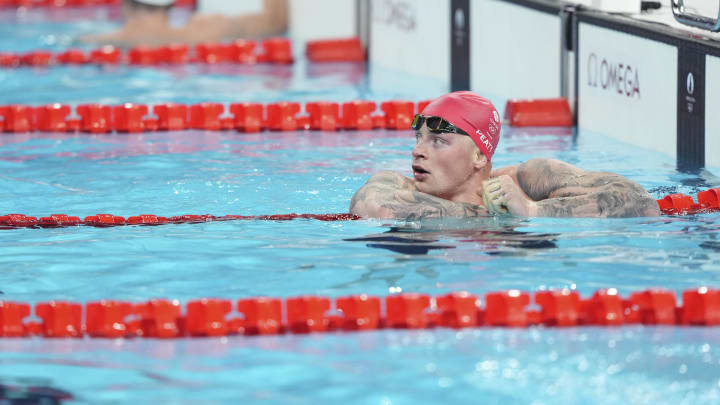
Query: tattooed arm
[[391, 195], [562, 190]]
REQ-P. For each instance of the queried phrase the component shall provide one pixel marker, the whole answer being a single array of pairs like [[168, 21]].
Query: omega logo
[[397, 13], [690, 87], [459, 32], [618, 77]]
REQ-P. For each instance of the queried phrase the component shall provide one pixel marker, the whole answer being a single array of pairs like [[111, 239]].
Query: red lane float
[[128, 117], [171, 117], [335, 50], [357, 115], [681, 204], [551, 112], [106, 55], [95, 118], [248, 116], [72, 57], [398, 114], [276, 50], [507, 308], [37, 58], [174, 54], [9, 60], [52, 118], [160, 318], [17, 118], [324, 116], [143, 55], [282, 116], [605, 307], [206, 116], [212, 317]]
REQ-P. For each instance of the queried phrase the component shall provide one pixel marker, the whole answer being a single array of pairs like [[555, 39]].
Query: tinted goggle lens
[[417, 122], [435, 124]]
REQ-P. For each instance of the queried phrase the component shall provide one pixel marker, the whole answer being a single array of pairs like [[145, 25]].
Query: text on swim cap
[[485, 141]]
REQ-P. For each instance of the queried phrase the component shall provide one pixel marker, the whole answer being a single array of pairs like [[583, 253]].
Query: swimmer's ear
[[479, 158]]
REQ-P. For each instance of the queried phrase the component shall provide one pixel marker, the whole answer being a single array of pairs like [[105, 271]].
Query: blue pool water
[[196, 172]]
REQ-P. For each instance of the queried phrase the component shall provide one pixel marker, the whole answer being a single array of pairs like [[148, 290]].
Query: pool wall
[[635, 80]]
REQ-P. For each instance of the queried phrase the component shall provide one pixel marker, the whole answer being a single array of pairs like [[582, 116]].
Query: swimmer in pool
[[456, 136], [146, 23]]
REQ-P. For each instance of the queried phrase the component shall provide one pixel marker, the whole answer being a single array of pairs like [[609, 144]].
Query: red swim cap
[[473, 114]]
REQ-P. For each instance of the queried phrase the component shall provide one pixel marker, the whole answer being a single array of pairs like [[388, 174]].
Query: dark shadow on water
[[497, 239], [711, 245], [31, 391], [699, 178]]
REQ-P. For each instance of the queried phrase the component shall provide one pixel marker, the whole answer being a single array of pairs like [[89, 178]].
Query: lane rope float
[[207, 317]]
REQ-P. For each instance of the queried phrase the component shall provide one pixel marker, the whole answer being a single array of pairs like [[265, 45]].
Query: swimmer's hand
[[501, 195]]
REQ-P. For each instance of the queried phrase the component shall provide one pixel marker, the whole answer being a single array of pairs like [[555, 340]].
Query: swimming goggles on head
[[435, 124]]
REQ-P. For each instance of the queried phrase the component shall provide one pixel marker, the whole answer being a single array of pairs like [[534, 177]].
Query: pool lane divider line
[[75, 3], [274, 50], [13, 221], [251, 117], [672, 204], [208, 317]]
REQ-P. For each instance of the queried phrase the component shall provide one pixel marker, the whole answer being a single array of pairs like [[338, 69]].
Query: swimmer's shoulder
[[207, 27], [391, 178], [115, 38]]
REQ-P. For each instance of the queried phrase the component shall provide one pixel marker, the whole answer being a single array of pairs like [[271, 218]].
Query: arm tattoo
[[395, 196], [563, 190], [383, 179], [540, 177], [413, 205]]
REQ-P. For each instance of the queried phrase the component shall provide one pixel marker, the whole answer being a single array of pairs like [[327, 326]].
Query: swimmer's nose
[[418, 151]]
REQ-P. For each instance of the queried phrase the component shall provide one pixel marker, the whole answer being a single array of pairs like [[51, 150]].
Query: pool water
[[198, 172]]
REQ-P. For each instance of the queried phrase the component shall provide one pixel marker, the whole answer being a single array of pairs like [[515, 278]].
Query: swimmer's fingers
[[493, 197], [499, 200], [487, 201], [494, 185]]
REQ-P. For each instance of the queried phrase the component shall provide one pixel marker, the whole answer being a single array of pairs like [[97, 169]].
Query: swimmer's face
[[443, 163]]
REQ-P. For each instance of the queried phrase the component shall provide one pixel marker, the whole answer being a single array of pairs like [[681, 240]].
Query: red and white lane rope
[[252, 117], [162, 318]]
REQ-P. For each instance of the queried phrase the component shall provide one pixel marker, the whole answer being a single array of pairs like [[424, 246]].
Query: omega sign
[[617, 77], [398, 13]]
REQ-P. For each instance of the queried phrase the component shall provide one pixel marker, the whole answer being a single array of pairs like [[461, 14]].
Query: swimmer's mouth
[[418, 169]]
